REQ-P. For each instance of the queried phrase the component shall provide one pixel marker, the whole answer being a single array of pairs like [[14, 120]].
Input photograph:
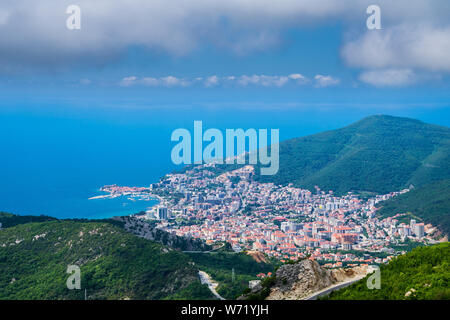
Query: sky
[[81, 108], [313, 58]]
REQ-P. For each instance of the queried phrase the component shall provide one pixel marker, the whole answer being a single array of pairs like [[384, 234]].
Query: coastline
[[92, 208]]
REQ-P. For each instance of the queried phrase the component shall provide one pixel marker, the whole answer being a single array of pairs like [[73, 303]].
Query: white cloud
[[128, 81], [263, 80], [246, 80], [34, 33], [212, 81], [4, 17], [389, 77], [300, 79], [277, 81], [295, 76], [169, 81], [151, 82], [405, 46], [85, 82], [325, 81]]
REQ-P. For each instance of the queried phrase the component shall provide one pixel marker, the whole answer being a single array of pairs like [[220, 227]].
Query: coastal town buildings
[[284, 222]]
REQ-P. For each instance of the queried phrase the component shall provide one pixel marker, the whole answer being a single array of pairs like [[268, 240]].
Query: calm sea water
[[64, 196], [52, 159]]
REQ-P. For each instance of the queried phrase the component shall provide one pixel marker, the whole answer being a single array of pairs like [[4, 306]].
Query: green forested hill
[[430, 203], [9, 220], [114, 264], [376, 154], [423, 272], [222, 265]]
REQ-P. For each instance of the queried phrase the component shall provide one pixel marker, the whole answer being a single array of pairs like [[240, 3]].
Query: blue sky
[[83, 108], [303, 57]]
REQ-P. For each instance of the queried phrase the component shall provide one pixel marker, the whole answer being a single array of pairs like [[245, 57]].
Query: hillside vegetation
[[9, 220], [114, 264], [376, 154], [220, 266], [430, 203], [423, 273]]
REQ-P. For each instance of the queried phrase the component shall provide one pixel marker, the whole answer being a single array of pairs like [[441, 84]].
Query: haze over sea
[[55, 156]]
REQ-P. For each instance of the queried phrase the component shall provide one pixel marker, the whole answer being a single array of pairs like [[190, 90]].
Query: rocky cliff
[[300, 280], [145, 230]]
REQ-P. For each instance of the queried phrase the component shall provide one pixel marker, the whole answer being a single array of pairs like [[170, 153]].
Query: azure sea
[[55, 156]]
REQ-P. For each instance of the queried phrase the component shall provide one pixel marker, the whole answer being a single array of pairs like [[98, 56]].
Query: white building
[[419, 230], [161, 213]]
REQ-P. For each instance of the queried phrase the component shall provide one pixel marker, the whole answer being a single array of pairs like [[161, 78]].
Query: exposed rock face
[[295, 281], [301, 280], [145, 230], [257, 256], [347, 274]]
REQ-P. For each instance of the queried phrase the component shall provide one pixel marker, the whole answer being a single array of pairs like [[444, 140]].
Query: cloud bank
[[389, 77], [415, 34], [274, 81]]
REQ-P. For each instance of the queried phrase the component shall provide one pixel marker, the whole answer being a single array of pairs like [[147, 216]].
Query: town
[[283, 222]]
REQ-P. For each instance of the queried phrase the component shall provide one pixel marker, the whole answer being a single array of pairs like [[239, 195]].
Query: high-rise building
[[346, 246], [162, 213], [295, 226], [405, 231], [419, 230], [284, 226], [330, 206]]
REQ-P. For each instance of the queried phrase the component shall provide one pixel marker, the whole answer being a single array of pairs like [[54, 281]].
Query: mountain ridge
[[408, 151], [420, 274], [429, 203], [118, 259], [114, 263]]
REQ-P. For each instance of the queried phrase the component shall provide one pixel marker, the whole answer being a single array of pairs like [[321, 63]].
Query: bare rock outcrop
[[145, 230], [300, 280], [295, 281], [342, 275]]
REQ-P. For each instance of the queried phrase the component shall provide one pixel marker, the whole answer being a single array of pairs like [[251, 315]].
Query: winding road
[[212, 285], [332, 288]]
